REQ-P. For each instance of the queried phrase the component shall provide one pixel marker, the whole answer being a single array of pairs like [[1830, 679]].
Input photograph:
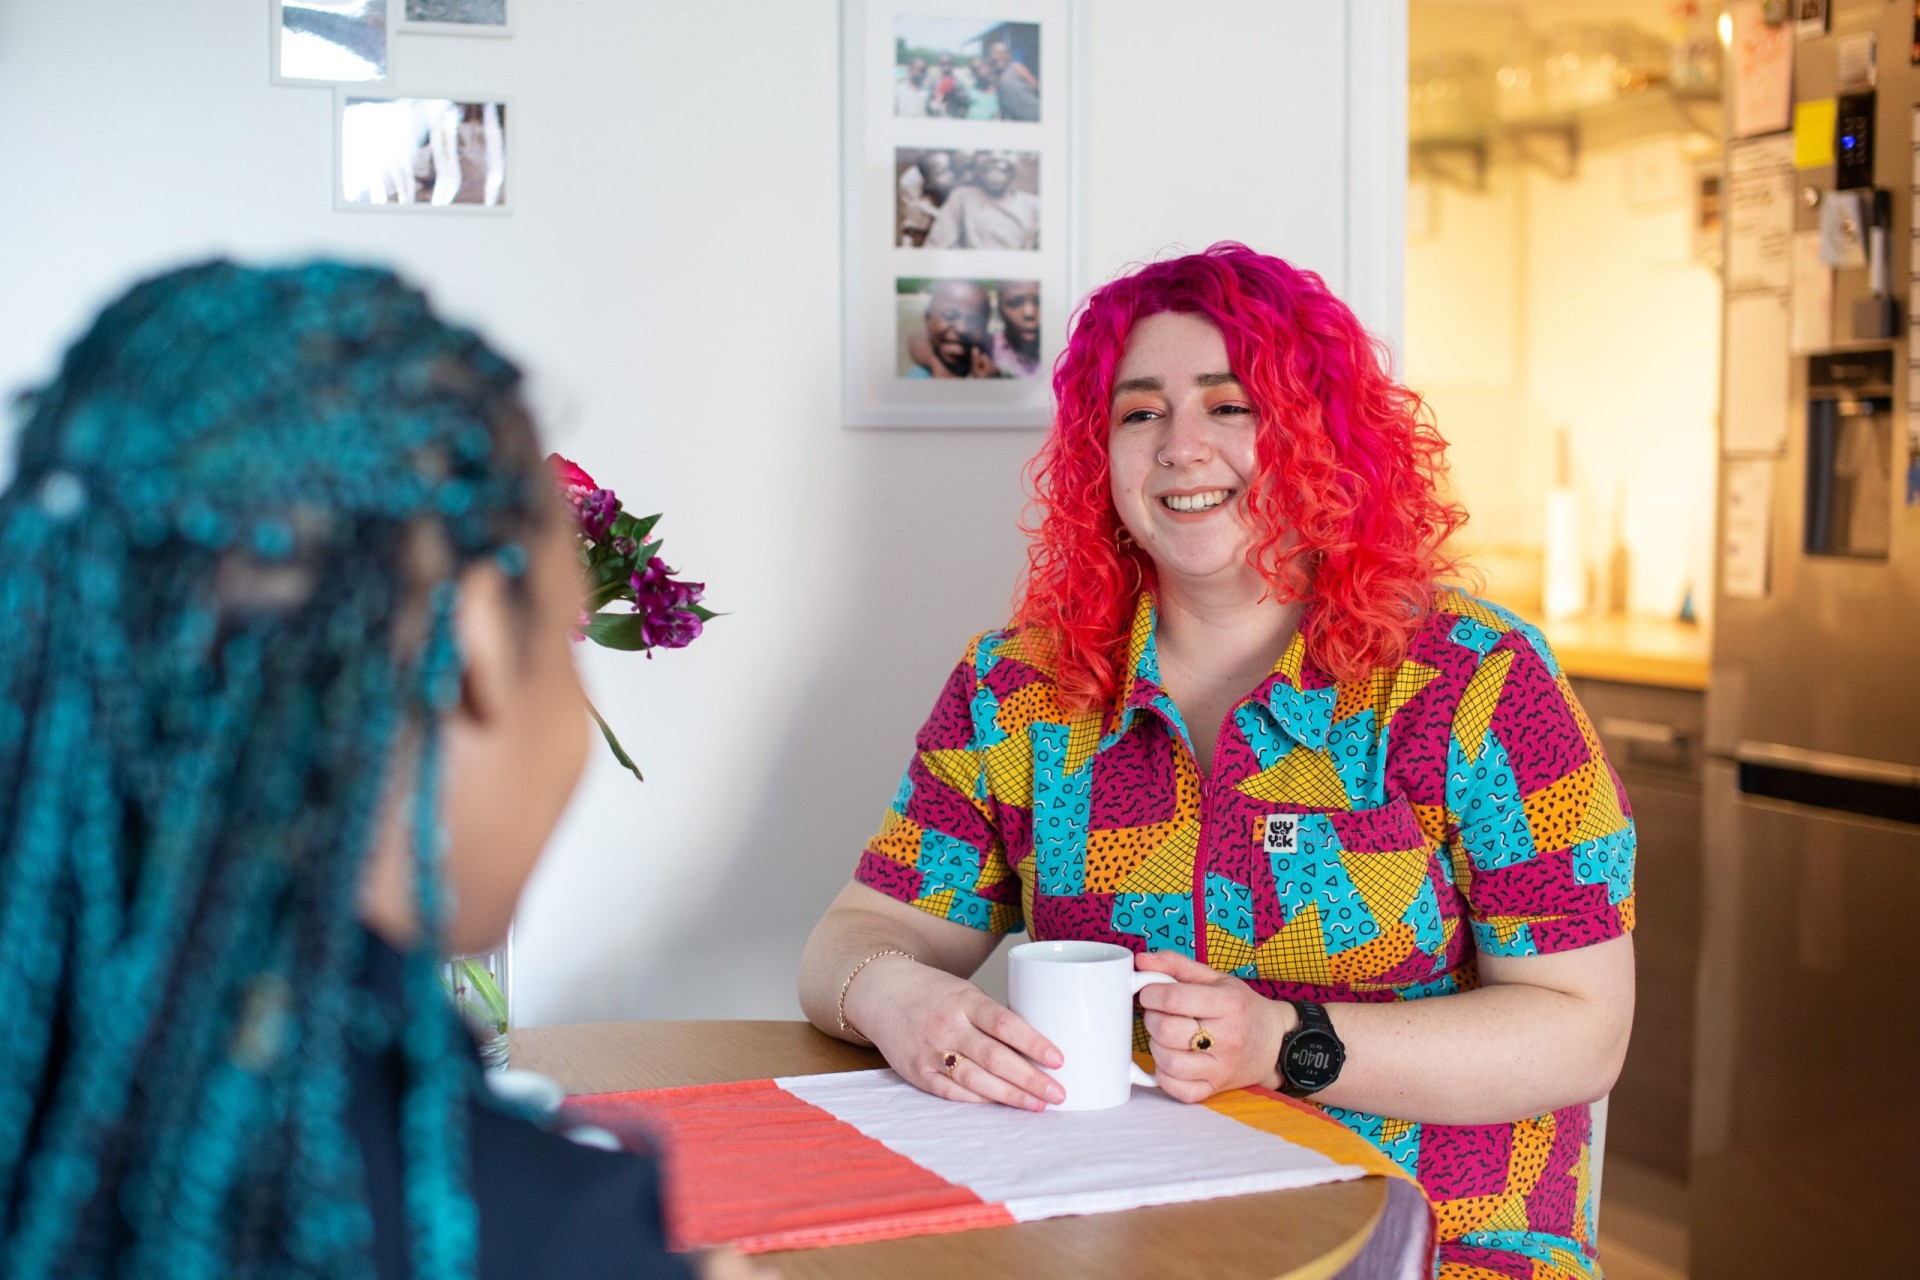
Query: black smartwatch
[[1311, 1055]]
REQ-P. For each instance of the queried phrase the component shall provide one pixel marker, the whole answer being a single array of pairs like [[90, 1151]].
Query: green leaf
[[607, 592], [703, 613], [646, 553], [487, 989], [619, 753], [642, 527], [617, 631]]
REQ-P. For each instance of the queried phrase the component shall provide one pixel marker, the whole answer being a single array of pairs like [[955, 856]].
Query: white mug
[[1080, 996]]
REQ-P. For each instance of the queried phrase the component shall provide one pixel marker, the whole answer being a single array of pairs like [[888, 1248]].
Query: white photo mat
[[344, 94], [427, 27], [876, 394], [276, 19]]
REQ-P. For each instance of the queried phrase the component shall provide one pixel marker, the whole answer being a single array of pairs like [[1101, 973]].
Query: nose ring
[[1161, 458]]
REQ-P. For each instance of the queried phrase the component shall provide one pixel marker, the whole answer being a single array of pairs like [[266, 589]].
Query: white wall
[[670, 278]]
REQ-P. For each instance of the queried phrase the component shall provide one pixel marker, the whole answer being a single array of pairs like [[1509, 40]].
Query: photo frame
[[331, 42], [457, 17], [962, 176], [434, 153]]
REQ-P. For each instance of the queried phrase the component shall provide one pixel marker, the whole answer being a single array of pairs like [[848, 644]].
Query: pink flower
[[571, 475]]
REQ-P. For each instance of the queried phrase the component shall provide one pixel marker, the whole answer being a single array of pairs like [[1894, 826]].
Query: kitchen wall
[[670, 277], [1548, 301]]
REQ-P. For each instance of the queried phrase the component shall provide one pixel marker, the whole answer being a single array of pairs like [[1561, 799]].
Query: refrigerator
[[1806, 1102]]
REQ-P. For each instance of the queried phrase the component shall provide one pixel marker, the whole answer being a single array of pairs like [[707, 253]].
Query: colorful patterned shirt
[[1360, 840]]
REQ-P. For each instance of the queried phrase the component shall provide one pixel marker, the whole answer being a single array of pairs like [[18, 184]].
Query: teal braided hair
[[228, 560]]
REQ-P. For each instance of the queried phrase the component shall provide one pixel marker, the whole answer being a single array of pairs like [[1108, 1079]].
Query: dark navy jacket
[[549, 1207]]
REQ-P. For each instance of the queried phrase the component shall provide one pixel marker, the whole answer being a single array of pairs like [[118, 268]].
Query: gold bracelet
[[846, 1027]]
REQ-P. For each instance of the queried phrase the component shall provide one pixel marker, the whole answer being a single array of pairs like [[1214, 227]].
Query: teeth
[[1197, 501]]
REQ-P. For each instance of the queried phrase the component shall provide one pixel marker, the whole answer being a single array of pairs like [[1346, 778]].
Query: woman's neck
[[1223, 636]]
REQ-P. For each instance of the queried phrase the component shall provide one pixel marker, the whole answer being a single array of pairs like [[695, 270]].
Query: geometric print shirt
[[1360, 840]]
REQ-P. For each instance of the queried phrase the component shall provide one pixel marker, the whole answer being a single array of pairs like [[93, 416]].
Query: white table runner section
[[1048, 1164]]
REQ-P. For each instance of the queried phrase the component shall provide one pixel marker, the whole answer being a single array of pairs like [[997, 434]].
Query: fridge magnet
[[960, 208], [420, 154], [331, 41]]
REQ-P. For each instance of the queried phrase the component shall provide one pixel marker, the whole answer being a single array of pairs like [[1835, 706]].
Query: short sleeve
[[1543, 843], [938, 848]]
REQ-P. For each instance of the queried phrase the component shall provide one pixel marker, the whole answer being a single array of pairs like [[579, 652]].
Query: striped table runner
[[808, 1161]]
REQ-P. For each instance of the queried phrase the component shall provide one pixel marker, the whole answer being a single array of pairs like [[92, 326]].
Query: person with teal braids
[[287, 710]]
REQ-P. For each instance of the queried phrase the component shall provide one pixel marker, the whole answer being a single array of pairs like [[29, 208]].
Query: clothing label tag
[[1283, 832]]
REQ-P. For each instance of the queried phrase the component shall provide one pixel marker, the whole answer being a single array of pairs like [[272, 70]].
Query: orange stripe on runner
[[1304, 1125], [751, 1165]]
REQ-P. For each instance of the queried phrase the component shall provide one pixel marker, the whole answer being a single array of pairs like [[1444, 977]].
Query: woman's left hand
[[1245, 1027]]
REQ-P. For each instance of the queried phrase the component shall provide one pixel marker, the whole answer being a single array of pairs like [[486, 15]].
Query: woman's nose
[[1187, 438]]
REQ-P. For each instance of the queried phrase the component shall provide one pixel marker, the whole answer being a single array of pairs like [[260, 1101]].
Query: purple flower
[[663, 603], [597, 511]]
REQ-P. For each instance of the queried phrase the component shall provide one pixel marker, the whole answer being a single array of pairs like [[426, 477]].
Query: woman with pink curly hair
[[1239, 725]]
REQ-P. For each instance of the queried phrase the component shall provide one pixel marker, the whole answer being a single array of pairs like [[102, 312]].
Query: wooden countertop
[[1631, 650]]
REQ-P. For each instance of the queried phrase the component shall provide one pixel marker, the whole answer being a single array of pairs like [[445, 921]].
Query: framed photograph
[[331, 41], [961, 171], [456, 17], [425, 153]]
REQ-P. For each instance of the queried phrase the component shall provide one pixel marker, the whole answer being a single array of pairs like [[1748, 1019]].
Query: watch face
[[1313, 1059]]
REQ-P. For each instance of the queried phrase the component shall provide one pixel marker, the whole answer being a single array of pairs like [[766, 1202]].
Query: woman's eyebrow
[[1155, 384]]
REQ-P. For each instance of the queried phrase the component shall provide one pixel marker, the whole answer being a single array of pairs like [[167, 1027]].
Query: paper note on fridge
[[1756, 392], [1746, 528]]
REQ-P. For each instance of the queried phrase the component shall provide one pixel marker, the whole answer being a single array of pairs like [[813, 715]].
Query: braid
[[229, 554]]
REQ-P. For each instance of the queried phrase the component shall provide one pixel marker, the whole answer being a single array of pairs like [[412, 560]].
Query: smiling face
[[1020, 311], [957, 323], [993, 170], [1181, 454]]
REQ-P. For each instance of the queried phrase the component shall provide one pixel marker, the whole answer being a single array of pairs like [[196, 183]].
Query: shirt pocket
[[1370, 880]]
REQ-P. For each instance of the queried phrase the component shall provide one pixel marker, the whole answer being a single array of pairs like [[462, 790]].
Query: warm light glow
[[1726, 28]]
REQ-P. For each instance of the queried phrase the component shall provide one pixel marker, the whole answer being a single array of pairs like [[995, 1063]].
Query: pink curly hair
[[1347, 500]]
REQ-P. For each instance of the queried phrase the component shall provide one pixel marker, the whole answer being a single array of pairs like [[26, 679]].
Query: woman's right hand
[[916, 1014]]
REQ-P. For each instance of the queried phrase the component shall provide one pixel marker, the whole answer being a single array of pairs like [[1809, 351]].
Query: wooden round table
[[1305, 1234]]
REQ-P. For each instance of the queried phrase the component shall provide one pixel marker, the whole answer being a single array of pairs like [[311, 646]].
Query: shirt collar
[[1296, 695]]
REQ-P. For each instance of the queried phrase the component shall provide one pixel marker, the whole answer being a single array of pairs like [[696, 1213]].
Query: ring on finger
[[950, 1060], [1202, 1039]]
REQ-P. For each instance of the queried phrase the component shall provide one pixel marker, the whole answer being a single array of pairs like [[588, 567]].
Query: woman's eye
[[1139, 415], [1232, 408]]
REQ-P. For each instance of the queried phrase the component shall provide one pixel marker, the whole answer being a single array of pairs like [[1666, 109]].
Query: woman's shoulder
[[1459, 620], [1027, 652]]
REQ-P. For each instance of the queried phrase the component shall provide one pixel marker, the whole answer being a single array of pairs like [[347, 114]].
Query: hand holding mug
[[1243, 1029], [946, 1036]]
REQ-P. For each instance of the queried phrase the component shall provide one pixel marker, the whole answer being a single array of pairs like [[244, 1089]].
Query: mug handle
[[1146, 980]]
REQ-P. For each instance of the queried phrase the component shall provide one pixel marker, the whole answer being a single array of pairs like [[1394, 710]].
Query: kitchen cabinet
[[1654, 737]]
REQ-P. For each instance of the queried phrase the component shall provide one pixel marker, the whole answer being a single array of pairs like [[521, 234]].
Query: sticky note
[[1813, 133]]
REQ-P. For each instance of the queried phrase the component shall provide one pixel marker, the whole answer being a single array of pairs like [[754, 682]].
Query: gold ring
[[948, 1061], [1202, 1038]]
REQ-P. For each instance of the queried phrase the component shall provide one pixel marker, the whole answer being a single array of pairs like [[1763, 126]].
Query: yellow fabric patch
[[1227, 951], [1298, 953], [1303, 776], [1170, 868], [957, 767], [1478, 703], [1388, 882]]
